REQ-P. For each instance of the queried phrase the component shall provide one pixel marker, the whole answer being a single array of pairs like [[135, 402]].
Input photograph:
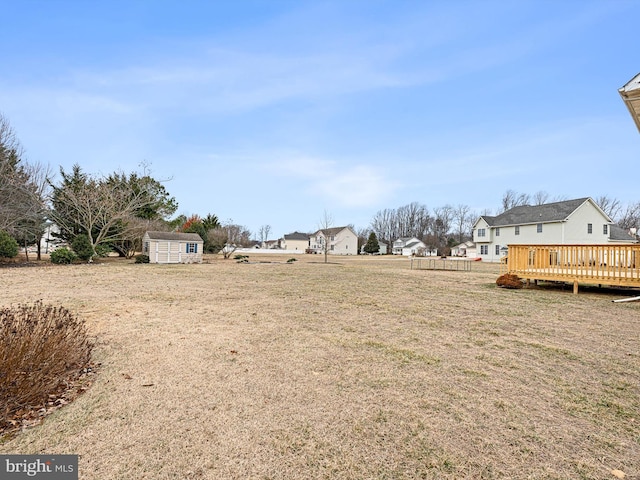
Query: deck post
[[575, 287]]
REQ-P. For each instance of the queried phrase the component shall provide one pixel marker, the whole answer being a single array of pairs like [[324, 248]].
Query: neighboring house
[[579, 221], [271, 244], [49, 240], [295, 241], [384, 248], [338, 241], [465, 249], [172, 247], [409, 246]]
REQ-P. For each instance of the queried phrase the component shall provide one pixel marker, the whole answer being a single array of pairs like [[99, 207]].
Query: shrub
[[509, 281], [43, 350], [142, 258], [291, 260], [81, 245], [63, 255], [8, 245]]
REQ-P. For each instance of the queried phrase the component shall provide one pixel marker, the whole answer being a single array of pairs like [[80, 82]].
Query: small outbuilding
[[172, 247]]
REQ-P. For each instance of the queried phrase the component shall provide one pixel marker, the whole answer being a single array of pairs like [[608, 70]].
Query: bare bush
[[43, 350]]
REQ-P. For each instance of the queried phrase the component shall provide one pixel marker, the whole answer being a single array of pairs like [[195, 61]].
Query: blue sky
[[275, 112]]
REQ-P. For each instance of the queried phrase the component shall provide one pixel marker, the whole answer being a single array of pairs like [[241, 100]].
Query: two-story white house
[[295, 241], [337, 241], [410, 246], [579, 221]]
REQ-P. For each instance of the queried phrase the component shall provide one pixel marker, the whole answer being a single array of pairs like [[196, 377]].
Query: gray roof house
[[296, 241], [579, 221], [172, 247]]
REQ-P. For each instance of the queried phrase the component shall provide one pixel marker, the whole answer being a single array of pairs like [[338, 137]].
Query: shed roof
[[187, 237], [528, 214], [630, 94]]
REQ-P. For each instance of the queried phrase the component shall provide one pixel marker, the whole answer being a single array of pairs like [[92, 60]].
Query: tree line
[[94, 214], [447, 226], [111, 213]]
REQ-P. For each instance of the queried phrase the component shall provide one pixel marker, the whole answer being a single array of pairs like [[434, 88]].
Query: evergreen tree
[[372, 245]]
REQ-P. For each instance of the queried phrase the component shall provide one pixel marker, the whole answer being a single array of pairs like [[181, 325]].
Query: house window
[[605, 229], [482, 232], [484, 249], [539, 228], [497, 231], [192, 248], [497, 249], [589, 228], [517, 229], [145, 249]]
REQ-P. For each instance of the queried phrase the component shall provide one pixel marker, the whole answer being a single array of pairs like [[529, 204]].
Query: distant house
[[384, 249], [295, 241], [580, 221], [337, 241], [172, 247], [271, 244], [464, 249], [409, 246]]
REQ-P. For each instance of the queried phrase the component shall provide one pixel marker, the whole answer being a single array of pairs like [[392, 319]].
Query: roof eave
[[630, 94]]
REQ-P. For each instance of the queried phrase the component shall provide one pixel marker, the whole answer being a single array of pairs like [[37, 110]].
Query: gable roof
[[546, 213], [333, 231], [186, 237], [296, 236], [630, 94]]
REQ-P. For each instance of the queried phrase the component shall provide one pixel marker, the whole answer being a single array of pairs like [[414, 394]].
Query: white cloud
[[338, 183]]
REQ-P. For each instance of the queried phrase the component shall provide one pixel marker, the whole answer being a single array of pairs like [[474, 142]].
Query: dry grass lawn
[[361, 368]]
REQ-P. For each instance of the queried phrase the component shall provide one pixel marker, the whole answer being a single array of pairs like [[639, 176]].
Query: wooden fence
[[587, 264]]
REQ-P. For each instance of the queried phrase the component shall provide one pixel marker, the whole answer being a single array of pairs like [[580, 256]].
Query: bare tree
[[383, 224], [23, 191], [326, 222], [230, 236], [264, 233], [540, 197], [512, 199], [462, 219], [630, 218], [610, 206], [95, 207]]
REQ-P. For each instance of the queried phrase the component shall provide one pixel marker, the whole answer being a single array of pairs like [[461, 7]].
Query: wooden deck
[[578, 264]]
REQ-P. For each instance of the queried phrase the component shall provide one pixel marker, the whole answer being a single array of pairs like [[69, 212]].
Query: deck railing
[[590, 264]]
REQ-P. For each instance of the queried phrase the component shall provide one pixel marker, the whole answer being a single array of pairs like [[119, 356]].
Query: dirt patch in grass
[[371, 370]]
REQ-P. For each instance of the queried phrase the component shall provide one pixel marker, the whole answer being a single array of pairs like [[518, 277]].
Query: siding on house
[[580, 221], [296, 241], [340, 241]]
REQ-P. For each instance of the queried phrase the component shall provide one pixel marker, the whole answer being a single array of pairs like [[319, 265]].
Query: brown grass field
[[357, 369]]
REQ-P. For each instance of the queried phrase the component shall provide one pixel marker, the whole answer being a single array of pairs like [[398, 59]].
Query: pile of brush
[[509, 280]]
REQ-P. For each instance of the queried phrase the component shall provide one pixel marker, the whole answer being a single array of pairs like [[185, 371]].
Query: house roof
[[193, 237], [620, 234], [546, 213], [332, 231], [413, 244], [630, 94], [296, 236]]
